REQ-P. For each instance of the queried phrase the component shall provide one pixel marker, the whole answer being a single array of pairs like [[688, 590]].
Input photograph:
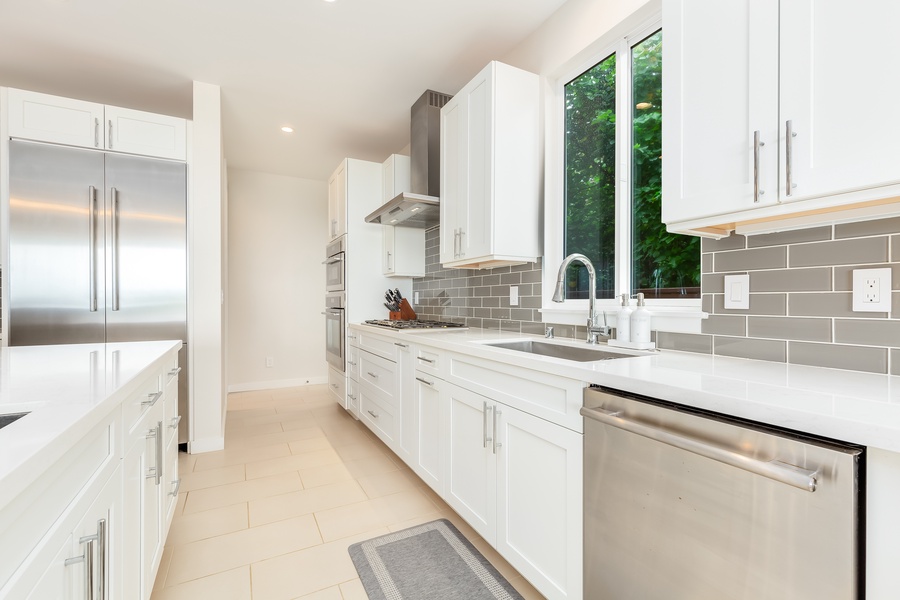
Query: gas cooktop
[[415, 325]]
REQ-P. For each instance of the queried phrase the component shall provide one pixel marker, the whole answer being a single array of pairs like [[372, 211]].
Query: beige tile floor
[[271, 516]]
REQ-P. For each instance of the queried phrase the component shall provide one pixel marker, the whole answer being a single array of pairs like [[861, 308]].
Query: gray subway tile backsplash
[[800, 284], [840, 252]]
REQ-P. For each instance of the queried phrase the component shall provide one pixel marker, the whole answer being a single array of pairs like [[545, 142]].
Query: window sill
[[678, 319]]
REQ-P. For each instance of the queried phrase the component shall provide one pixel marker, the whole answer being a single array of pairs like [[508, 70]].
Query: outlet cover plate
[[862, 288]]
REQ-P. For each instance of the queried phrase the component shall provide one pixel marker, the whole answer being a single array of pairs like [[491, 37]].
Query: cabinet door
[[476, 214], [539, 498], [837, 85], [149, 134], [388, 254], [720, 86], [98, 533], [46, 118], [58, 580], [171, 481], [470, 484], [429, 396], [452, 176], [337, 203]]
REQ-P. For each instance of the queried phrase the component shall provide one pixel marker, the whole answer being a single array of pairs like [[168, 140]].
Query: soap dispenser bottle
[[623, 321], [640, 322]]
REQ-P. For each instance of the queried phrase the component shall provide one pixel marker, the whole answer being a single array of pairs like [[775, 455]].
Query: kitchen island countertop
[[65, 390]]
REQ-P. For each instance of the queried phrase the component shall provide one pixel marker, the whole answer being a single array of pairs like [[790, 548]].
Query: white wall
[[276, 281], [205, 265]]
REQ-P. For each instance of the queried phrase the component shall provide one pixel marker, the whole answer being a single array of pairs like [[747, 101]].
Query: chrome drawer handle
[[371, 374], [425, 381], [351, 396], [423, 359], [351, 363], [401, 345], [175, 421], [334, 385], [88, 559], [151, 399], [373, 414], [175, 371], [177, 483]]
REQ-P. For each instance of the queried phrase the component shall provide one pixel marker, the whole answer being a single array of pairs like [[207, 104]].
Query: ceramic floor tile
[[402, 506], [299, 420], [526, 589], [310, 445], [186, 462], [354, 590], [384, 484], [228, 457], [359, 451], [228, 585], [279, 437], [212, 478], [164, 562], [276, 508], [323, 566], [352, 519], [235, 493], [294, 462], [179, 505], [325, 475], [234, 432], [332, 593], [207, 524], [420, 520], [214, 555], [495, 559], [370, 466]]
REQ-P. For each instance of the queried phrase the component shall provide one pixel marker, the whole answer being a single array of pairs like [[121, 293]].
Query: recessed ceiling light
[[287, 129], [329, 0]]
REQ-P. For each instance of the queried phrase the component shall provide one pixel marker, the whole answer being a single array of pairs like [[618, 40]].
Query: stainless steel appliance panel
[[55, 274], [334, 330], [146, 275], [335, 269], [680, 506]]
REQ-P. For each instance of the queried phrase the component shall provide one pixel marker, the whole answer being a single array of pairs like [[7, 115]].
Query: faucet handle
[[548, 333]]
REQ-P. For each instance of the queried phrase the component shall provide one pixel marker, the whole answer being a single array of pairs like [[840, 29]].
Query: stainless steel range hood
[[420, 207]]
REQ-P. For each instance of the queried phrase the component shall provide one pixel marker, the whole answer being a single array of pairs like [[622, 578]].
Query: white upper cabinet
[[403, 248], [58, 120], [337, 202], [490, 170], [761, 95]]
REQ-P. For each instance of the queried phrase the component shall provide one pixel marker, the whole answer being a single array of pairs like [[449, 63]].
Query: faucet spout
[[559, 294]]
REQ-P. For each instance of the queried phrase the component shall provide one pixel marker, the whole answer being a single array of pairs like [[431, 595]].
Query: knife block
[[395, 315], [406, 311]]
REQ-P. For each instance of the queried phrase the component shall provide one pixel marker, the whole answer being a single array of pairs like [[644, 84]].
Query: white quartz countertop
[[66, 390], [860, 408]]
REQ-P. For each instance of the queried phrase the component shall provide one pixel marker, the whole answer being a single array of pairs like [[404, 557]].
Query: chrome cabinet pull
[[88, 559], [757, 144], [332, 260], [389, 267], [92, 234], [373, 414], [401, 345], [776, 470], [334, 385], [175, 421], [352, 397], [96, 132], [789, 135], [109, 147], [177, 483], [114, 194], [423, 359], [351, 336], [462, 252], [373, 375], [159, 451], [484, 425], [425, 381], [152, 399], [351, 363], [497, 414], [175, 371], [100, 538], [456, 243]]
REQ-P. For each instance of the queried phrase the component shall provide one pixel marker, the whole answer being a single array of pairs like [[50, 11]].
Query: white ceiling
[[343, 74]]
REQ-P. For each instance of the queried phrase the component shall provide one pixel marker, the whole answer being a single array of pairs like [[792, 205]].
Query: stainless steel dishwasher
[[681, 504]]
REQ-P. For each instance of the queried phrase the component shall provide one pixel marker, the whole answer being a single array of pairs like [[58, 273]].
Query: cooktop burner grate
[[415, 324]]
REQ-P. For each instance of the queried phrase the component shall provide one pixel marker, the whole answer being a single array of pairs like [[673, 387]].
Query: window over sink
[[604, 175]]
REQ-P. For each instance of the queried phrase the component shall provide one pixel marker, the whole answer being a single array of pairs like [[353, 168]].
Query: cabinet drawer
[[376, 344], [380, 374], [428, 361], [148, 395], [353, 363], [353, 398], [377, 415], [337, 385]]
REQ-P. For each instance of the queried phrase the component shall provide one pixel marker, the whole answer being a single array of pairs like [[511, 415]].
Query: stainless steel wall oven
[[334, 265], [334, 329]]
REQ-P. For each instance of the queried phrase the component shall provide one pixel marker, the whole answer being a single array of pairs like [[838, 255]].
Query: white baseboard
[[207, 445], [276, 384]]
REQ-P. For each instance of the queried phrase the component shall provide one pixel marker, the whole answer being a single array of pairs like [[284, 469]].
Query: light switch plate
[[871, 290], [513, 295], [737, 292]]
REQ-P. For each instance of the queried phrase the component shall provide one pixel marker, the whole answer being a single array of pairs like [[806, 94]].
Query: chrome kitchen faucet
[[560, 295]]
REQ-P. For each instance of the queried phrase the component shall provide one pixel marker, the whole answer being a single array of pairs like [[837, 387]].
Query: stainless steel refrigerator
[[97, 250]]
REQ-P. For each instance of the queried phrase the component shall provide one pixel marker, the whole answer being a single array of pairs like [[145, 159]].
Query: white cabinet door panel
[[47, 118], [429, 395], [452, 172], [149, 134]]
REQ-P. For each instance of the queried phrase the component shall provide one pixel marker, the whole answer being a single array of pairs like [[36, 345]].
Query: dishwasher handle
[[775, 470]]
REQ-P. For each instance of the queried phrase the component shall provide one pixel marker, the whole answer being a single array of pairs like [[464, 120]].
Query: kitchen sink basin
[[10, 418], [578, 354]]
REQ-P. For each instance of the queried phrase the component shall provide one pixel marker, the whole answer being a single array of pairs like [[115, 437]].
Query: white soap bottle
[[623, 321], [640, 322]]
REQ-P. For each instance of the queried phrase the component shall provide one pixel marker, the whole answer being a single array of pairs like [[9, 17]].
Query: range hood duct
[[420, 207]]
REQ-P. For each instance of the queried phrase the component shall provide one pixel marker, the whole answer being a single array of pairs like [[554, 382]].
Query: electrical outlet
[[270, 362], [871, 290], [416, 298], [513, 295]]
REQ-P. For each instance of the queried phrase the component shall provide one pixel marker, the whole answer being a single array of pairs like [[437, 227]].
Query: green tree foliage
[[664, 264]]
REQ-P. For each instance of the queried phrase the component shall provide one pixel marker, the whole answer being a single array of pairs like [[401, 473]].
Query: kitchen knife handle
[[114, 198], [92, 234]]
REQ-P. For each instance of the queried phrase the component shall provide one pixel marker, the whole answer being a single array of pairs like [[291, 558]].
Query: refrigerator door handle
[[92, 233], [114, 198]]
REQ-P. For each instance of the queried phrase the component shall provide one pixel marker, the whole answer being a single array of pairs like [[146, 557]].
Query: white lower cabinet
[[428, 397]]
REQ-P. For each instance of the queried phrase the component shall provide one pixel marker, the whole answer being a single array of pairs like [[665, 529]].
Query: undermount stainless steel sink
[[10, 418], [583, 354]]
